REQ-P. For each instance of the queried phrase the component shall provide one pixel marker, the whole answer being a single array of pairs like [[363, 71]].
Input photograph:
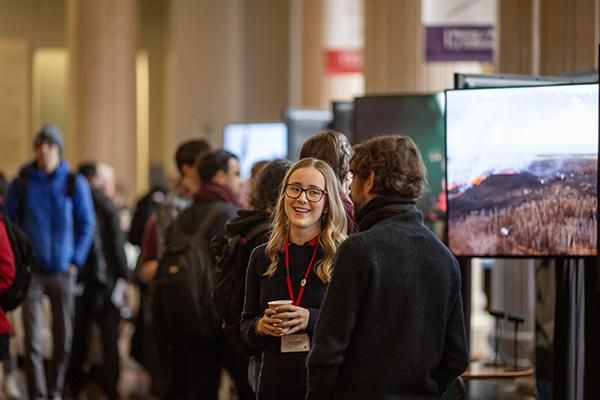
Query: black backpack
[[22, 248], [24, 261], [181, 291], [231, 256]]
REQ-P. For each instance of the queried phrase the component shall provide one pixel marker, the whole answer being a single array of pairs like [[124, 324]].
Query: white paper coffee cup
[[276, 303]]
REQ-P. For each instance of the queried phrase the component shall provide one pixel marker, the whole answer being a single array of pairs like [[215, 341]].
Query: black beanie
[[49, 133]]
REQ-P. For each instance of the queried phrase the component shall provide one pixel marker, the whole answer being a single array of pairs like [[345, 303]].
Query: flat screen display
[[522, 171], [343, 118], [421, 117], [255, 142], [302, 124]]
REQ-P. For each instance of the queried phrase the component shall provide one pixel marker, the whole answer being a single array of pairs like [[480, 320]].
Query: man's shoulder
[[357, 243]]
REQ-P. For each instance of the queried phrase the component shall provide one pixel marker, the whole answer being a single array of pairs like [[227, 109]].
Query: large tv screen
[[255, 142], [420, 117], [522, 171], [302, 124], [343, 118]]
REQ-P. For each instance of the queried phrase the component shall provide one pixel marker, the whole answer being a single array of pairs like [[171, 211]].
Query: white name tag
[[295, 343]]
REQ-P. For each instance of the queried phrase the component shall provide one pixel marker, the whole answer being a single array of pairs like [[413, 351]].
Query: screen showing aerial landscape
[[522, 171]]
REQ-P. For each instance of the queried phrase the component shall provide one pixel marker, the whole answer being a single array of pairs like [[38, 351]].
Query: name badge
[[295, 343]]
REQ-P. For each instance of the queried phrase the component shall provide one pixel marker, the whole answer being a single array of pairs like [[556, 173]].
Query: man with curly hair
[[391, 325]]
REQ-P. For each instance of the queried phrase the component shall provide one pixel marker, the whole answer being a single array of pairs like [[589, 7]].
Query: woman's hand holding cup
[[267, 325], [294, 318]]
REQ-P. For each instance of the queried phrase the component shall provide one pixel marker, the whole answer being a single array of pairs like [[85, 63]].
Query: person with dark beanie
[[391, 324], [54, 208]]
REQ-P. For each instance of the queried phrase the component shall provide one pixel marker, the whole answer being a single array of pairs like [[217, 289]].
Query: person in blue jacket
[[55, 209]]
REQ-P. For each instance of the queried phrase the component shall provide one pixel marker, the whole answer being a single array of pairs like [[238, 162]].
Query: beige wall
[[568, 36], [25, 26], [227, 62], [153, 39], [265, 59], [15, 104], [204, 69], [548, 37], [42, 22]]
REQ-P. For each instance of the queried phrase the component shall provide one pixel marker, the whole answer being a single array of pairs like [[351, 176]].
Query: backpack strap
[[209, 218], [22, 183], [71, 184]]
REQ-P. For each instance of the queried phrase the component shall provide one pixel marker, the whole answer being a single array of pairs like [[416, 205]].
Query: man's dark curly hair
[[264, 192], [397, 163], [332, 147]]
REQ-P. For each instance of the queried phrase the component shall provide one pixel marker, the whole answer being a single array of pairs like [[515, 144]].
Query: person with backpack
[[182, 304], [54, 208], [145, 207], [153, 241], [249, 229], [294, 265], [144, 348]]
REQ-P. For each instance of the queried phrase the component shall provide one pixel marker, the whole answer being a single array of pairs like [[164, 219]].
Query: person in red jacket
[[7, 275]]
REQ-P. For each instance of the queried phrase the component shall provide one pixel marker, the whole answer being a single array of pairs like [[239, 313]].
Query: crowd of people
[[320, 282]]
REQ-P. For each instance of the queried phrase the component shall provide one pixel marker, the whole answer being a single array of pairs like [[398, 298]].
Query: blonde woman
[[309, 224]]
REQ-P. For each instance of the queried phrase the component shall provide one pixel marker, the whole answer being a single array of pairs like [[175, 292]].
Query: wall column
[[102, 40], [568, 36], [394, 53], [517, 37]]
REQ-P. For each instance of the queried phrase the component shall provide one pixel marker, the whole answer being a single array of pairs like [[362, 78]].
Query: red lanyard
[[288, 280]]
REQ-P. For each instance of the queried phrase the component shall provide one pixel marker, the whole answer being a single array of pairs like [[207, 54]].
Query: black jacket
[[391, 325], [106, 261], [244, 224], [113, 238]]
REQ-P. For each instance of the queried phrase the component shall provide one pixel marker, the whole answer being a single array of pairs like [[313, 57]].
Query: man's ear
[[370, 182]]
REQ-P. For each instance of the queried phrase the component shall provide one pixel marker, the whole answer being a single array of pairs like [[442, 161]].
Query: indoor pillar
[[516, 37], [568, 30], [312, 59], [102, 45], [394, 52]]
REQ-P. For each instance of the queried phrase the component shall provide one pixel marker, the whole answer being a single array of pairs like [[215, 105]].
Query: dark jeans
[[4, 347], [107, 320], [194, 370]]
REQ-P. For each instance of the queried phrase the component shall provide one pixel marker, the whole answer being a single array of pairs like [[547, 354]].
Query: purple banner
[[459, 43]]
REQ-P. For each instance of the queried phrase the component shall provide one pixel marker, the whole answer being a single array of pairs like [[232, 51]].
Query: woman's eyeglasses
[[294, 191]]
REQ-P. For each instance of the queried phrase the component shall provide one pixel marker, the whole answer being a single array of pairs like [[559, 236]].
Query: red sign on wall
[[343, 61]]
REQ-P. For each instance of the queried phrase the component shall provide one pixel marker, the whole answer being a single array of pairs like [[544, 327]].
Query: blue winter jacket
[[61, 228]]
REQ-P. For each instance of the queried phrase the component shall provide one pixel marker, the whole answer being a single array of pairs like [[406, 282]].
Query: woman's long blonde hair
[[333, 221]]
